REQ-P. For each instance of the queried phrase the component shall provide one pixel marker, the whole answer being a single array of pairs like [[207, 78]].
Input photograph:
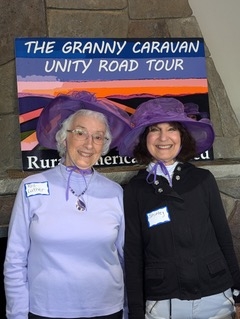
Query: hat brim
[[202, 132], [60, 108]]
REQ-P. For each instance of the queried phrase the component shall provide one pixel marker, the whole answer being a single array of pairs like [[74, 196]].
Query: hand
[[237, 316]]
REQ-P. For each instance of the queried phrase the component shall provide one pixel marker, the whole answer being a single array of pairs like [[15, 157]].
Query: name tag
[[40, 188], [158, 216]]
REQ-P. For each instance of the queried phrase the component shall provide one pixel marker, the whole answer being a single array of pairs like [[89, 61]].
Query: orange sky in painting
[[102, 89]]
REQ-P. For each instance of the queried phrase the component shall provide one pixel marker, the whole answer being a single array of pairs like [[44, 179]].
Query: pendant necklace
[[80, 204]]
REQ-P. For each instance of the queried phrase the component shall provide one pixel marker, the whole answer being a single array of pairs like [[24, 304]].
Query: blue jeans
[[219, 306]]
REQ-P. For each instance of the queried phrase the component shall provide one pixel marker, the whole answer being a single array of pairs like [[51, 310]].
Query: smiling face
[[164, 142], [84, 153]]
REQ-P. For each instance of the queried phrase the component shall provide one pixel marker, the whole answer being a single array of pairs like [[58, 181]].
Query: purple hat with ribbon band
[[61, 107], [164, 110]]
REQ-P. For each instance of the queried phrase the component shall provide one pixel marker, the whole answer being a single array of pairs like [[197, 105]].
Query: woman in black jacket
[[179, 255]]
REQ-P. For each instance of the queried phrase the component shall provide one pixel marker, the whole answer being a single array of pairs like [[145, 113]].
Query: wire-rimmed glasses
[[82, 135]]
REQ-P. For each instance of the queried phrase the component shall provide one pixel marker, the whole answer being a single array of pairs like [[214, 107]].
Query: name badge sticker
[[158, 216], [39, 188]]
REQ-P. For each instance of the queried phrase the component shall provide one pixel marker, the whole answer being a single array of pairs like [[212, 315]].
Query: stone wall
[[108, 18]]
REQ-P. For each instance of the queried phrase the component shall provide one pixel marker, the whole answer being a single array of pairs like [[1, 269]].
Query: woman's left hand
[[237, 306]]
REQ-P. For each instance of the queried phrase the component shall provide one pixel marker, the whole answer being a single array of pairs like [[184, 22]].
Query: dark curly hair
[[187, 152]]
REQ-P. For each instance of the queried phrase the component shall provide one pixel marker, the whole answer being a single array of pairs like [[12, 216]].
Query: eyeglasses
[[82, 135]]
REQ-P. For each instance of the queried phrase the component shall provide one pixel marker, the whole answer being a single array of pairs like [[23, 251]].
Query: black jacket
[[178, 243]]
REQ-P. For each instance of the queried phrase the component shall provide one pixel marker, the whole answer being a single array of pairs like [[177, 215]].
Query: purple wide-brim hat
[[164, 110], [61, 107]]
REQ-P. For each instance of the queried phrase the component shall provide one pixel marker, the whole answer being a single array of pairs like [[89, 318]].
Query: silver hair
[[61, 135]]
